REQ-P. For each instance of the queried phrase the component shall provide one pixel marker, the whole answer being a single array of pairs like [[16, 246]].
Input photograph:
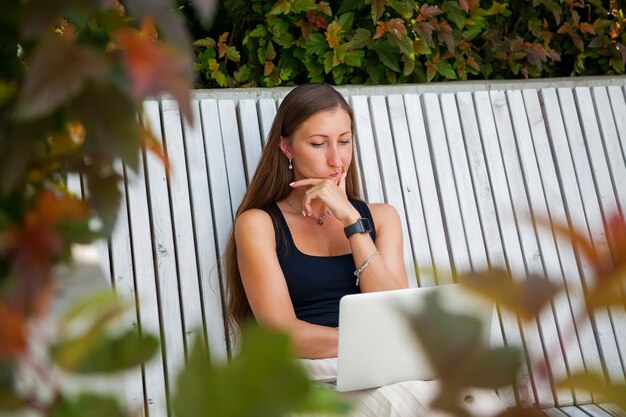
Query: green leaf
[[264, 380], [286, 73], [378, 7], [270, 52], [421, 48], [233, 54], [242, 74], [281, 7], [87, 405], [405, 8], [207, 42], [387, 56], [454, 13], [409, 65], [106, 354], [444, 68], [328, 61], [345, 21], [316, 44], [354, 58], [57, 72], [298, 6], [348, 5], [259, 32], [361, 39], [405, 45]]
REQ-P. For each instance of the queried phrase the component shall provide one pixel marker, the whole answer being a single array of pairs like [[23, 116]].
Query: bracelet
[[365, 265]]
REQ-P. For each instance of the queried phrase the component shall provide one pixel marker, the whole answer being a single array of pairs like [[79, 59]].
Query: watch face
[[365, 225]]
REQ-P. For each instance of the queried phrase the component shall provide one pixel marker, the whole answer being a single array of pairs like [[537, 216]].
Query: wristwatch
[[361, 226]]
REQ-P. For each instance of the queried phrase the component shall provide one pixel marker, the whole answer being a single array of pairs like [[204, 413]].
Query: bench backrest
[[463, 163]]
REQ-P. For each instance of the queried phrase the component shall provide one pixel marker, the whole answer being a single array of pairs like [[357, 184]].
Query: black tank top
[[316, 283]]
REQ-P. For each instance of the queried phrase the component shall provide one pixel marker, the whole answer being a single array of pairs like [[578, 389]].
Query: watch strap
[[360, 226]]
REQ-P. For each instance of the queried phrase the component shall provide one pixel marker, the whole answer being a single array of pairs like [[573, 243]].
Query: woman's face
[[322, 145]]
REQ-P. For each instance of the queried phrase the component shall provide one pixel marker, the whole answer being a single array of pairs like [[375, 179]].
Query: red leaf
[[429, 11], [12, 332], [587, 28], [381, 28], [396, 26], [57, 71], [153, 66], [464, 5]]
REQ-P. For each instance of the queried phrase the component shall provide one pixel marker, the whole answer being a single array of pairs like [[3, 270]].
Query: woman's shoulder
[[382, 209], [383, 213], [254, 219]]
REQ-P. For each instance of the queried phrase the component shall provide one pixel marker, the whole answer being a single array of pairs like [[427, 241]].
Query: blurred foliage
[[265, 379], [287, 42]]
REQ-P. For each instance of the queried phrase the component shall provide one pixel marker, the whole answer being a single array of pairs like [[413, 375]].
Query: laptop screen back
[[376, 343]]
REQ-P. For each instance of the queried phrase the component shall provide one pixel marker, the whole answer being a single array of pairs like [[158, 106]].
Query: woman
[[289, 259], [303, 239]]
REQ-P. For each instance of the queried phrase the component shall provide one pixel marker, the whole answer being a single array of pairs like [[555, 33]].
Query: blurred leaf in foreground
[[87, 405], [604, 392], [459, 356], [608, 262], [87, 344], [525, 297], [265, 374]]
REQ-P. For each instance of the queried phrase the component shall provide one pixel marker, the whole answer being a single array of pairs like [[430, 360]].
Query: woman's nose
[[334, 157]]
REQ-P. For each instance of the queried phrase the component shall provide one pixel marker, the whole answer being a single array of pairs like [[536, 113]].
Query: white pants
[[404, 399]]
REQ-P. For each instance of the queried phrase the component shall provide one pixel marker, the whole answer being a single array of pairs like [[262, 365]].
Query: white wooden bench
[[463, 163]]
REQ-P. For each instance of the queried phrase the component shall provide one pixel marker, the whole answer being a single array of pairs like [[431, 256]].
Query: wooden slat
[[389, 173], [575, 216], [572, 411], [146, 287], [267, 111], [184, 244], [463, 181], [486, 210], [595, 411], [530, 161], [607, 204], [372, 186], [202, 212], [250, 135], [232, 153], [613, 410], [428, 192], [618, 104], [164, 255], [513, 260], [124, 283], [446, 186], [410, 192], [559, 257], [218, 174]]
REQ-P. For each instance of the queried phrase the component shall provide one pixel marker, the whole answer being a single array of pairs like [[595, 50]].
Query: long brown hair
[[271, 179]]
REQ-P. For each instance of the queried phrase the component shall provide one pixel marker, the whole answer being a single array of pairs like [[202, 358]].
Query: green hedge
[[284, 42]]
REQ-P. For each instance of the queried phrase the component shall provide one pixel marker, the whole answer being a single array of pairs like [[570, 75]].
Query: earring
[[290, 164]]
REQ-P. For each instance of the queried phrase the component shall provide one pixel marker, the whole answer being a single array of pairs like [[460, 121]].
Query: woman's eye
[[345, 141], [317, 145]]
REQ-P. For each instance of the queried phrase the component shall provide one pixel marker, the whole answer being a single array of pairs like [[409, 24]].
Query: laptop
[[376, 343]]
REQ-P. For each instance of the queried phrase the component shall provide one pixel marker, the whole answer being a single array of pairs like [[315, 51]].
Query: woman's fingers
[[342, 181]]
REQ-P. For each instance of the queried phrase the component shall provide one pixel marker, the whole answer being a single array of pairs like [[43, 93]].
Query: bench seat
[[463, 163]]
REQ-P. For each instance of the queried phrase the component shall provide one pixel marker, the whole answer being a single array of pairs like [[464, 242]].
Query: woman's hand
[[332, 194]]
